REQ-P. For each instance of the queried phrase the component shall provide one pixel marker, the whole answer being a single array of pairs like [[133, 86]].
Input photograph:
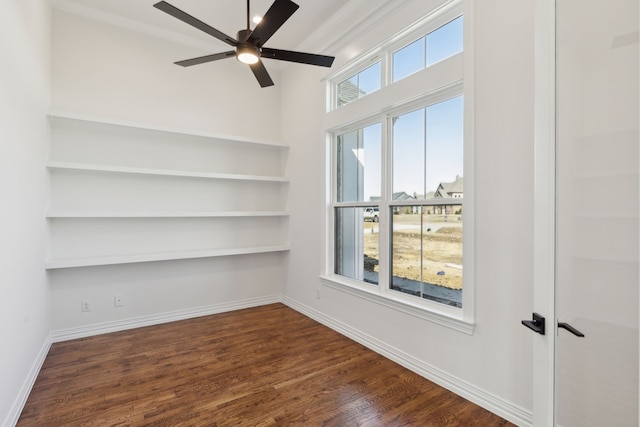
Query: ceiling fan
[[248, 44]]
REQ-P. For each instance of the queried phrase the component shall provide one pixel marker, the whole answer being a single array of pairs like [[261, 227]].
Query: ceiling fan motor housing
[[243, 35]]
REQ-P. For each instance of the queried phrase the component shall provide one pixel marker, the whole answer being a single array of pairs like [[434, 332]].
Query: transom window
[[439, 44], [440, 38], [360, 84]]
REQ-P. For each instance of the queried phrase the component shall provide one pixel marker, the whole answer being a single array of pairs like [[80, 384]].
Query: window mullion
[[385, 221], [424, 190], [333, 198], [357, 225], [386, 67], [422, 249]]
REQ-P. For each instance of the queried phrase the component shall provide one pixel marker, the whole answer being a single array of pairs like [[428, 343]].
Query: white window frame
[[446, 79]]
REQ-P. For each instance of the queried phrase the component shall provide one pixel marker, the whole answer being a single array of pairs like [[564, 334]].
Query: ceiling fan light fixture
[[247, 54]]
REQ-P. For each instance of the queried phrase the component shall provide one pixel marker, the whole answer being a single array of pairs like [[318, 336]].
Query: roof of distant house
[[399, 195], [446, 189], [348, 92]]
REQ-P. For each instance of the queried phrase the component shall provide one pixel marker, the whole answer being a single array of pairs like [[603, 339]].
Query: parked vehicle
[[371, 214]]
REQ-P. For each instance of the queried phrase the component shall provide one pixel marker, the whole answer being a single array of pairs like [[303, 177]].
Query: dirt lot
[[442, 245]]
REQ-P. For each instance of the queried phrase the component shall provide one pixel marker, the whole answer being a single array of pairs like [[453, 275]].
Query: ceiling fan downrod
[[248, 15]]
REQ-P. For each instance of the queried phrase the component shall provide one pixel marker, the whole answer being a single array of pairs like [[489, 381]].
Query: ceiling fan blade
[[301, 57], [261, 74], [278, 13], [206, 58], [195, 22]]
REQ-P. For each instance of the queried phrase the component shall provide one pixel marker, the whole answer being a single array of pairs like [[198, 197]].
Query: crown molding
[[347, 23]]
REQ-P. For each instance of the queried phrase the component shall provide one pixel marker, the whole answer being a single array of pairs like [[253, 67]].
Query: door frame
[[544, 217]]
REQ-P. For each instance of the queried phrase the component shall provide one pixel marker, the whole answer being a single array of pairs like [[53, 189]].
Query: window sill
[[444, 317]]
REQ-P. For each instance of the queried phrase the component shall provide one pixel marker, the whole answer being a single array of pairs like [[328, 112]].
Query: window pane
[[372, 162], [370, 79], [409, 59], [427, 252], [445, 41], [442, 254], [406, 262], [348, 91], [444, 152], [356, 245], [347, 163], [371, 256], [359, 164], [409, 155], [367, 81]]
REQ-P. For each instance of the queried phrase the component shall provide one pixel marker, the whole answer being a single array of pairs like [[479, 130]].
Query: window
[[358, 180], [360, 84], [436, 39], [426, 239], [439, 44], [424, 210], [397, 175]]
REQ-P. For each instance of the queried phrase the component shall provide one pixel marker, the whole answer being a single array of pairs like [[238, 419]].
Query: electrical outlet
[[317, 293], [85, 305], [118, 301]]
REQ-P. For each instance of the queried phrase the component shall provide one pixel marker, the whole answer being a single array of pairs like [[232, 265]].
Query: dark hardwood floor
[[265, 366]]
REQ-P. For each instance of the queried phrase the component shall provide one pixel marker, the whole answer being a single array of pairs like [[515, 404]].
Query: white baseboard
[[25, 390], [156, 319], [506, 410]]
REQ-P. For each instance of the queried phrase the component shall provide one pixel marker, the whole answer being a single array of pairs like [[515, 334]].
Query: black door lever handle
[[536, 325], [568, 327]]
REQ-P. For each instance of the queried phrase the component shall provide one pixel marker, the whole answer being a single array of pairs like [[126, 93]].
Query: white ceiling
[[227, 16]]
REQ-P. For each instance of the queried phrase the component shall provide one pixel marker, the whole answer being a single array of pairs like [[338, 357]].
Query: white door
[[596, 221]]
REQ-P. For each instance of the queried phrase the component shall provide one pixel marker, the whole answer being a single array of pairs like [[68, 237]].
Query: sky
[[428, 144]]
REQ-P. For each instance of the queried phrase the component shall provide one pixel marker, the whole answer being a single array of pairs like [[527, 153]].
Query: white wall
[[493, 366], [24, 289], [104, 70]]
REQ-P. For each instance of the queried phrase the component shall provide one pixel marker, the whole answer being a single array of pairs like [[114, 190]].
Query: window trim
[[438, 314], [369, 111]]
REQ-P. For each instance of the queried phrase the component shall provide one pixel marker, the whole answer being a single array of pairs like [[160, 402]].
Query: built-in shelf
[[124, 192], [153, 127], [163, 256], [177, 214], [87, 167]]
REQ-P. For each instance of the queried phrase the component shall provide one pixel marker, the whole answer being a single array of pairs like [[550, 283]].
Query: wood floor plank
[[265, 366]]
